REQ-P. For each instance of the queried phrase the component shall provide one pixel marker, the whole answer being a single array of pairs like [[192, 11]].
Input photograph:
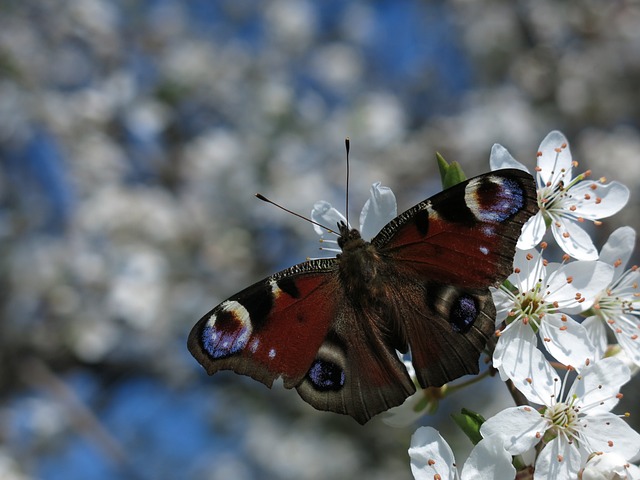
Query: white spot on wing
[[471, 199], [484, 250], [275, 289], [272, 353]]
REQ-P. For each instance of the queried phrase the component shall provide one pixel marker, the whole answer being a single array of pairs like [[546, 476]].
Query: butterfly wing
[[445, 252], [271, 329], [298, 325]]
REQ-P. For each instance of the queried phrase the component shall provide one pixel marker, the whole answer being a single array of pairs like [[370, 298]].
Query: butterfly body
[[332, 328]]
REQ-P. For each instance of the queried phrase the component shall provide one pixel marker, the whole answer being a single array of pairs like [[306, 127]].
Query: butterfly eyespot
[[494, 199], [325, 375], [463, 314], [227, 331]]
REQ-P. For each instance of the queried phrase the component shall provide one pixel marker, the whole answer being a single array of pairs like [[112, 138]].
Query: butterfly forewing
[[465, 235]]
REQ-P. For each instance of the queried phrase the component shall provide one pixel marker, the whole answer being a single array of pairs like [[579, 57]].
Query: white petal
[[503, 303], [606, 466], [505, 355], [597, 333], [405, 414], [599, 383], [378, 210], [521, 428], [488, 460], [608, 433], [554, 161], [619, 248], [427, 445], [501, 158], [574, 286], [532, 270], [325, 214], [626, 329], [603, 201], [573, 239], [559, 460], [567, 340], [530, 371], [532, 232]]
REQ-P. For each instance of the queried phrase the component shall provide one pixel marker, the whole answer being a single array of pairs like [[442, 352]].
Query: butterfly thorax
[[359, 265]]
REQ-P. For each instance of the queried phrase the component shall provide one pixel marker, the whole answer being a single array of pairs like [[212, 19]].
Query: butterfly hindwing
[[357, 370]]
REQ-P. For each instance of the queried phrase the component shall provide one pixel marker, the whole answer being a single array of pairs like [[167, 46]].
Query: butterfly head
[[349, 237]]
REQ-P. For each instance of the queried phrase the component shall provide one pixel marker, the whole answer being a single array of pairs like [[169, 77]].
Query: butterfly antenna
[[265, 199], [347, 144]]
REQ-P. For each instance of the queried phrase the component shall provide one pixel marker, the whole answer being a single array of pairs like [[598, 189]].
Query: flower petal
[[530, 267], [554, 159], [567, 340], [325, 214], [599, 383], [521, 428], [559, 460], [379, 209], [532, 232], [575, 286], [503, 303], [505, 352], [594, 200], [501, 158], [606, 432], [406, 413], [619, 248], [529, 371], [626, 329], [488, 460], [573, 239], [609, 466], [431, 455], [597, 333]]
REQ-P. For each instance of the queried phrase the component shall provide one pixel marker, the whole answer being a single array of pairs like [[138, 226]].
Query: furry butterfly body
[[332, 327]]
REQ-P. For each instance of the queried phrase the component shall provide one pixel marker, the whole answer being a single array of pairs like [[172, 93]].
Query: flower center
[[530, 307], [564, 419]]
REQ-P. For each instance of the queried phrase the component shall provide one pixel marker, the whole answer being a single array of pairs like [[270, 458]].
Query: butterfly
[[332, 327]]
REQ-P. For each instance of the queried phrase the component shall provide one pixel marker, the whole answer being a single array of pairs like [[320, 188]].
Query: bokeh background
[[133, 136]]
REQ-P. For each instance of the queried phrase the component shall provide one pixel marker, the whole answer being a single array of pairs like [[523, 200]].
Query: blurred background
[[133, 136]]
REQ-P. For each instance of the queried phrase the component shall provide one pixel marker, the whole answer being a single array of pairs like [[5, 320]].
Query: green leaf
[[470, 423], [450, 173]]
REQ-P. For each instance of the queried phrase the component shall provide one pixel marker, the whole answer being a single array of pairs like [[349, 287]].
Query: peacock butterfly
[[332, 327]]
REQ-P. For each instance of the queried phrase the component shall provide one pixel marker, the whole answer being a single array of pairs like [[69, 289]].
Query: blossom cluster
[[566, 428], [563, 427]]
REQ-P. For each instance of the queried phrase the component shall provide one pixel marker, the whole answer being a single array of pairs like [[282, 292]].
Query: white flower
[[609, 466], [538, 298], [565, 201], [431, 456], [378, 210], [575, 420], [617, 305]]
